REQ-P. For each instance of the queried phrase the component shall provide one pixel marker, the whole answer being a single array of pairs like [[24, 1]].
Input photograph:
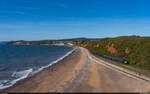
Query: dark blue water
[[20, 61]]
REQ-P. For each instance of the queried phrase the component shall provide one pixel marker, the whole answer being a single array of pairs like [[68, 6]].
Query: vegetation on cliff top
[[135, 49]]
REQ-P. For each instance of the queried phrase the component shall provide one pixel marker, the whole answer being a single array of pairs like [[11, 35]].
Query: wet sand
[[79, 73], [50, 79]]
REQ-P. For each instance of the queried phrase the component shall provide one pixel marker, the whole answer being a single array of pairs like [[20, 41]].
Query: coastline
[[78, 72], [56, 61], [21, 80]]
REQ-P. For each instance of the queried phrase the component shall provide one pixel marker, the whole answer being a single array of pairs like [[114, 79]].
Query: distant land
[[47, 42], [135, 49]]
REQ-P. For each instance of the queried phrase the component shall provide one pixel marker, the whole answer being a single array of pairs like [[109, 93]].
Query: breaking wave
[[17, 76]]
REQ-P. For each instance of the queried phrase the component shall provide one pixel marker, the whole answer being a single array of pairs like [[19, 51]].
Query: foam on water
[[59, 59], [19, 75], [24, 74]]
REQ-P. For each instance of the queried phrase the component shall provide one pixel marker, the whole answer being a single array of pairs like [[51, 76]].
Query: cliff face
[[111, 49], [134, 49], [18, 43]]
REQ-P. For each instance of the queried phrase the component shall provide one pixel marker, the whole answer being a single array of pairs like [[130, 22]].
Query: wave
[[19, 75], [26, 73], [53, 62]]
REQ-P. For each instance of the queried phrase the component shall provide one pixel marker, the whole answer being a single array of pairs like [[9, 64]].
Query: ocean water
[[20, 61]]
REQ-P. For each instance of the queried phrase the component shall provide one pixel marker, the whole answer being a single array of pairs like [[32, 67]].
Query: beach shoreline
[[80, 72], [17, 86]]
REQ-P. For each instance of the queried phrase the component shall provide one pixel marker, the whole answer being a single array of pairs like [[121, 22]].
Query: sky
[[62, 19]]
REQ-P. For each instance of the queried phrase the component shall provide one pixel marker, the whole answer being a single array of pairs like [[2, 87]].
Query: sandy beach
[[78, 73], [49, 79]]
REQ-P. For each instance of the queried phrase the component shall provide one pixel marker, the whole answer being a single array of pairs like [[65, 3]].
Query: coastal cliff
[[134, 49]]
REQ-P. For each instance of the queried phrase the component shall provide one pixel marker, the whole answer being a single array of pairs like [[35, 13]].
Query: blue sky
[[58, 19]]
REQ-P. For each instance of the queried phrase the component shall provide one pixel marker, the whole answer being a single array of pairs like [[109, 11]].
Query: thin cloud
[[62, 5], [30, 8], [12, 12], [12, 26], [20, 12]]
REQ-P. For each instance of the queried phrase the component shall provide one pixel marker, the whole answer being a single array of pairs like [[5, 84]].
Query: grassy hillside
[[135, 49]]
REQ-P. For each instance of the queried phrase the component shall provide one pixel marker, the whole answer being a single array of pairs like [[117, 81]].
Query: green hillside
[[135, 49]]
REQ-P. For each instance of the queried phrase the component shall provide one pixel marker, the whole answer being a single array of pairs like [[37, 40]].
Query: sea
[[18, 62]]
